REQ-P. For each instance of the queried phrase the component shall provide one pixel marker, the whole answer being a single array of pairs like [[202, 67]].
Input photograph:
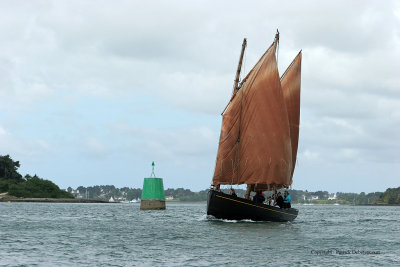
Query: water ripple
[[46, 234]]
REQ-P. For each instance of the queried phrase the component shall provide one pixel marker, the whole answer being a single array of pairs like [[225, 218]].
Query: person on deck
[[286, 201], [258, 197], [274, 195], [269, 200], [272, 200], [279, 200], [233, 193]]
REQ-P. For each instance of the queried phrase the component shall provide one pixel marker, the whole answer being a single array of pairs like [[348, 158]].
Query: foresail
[[255, 145], [291, 83]]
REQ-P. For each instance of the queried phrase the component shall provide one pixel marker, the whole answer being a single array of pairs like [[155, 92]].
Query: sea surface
[[65, 234]]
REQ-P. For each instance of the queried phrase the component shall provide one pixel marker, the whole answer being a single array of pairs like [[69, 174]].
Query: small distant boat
[[135, 200], [259, 139], [336, 204]]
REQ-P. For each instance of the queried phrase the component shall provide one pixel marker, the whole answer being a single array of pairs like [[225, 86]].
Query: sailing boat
[[259, 139]]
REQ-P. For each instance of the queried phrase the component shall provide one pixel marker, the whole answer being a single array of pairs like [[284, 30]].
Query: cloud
[[179, 144], [135, 80], [2, 131], [22, 148], [95, 147]]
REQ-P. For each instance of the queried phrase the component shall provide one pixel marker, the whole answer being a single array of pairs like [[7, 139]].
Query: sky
[[91, 92]]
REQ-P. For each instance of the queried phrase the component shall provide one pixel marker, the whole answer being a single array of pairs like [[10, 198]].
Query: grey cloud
[[182, 55]]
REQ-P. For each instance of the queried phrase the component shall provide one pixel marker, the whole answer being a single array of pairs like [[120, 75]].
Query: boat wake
[[212, 218]]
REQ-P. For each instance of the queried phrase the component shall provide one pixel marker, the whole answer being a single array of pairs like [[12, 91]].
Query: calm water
[[121, 235]]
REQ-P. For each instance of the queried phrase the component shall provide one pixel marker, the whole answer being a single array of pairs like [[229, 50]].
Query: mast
[[239, 68], [236, 82]]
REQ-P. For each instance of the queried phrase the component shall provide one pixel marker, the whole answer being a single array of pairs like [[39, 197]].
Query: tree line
[[105, 192], [12, 182], [390, 196]]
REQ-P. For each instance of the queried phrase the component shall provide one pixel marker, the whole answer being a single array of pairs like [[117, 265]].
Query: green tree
[[390, 196], [8, 173], [36, 187], [8, 169]]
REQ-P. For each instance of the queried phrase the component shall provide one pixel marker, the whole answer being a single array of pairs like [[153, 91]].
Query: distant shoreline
[[320, 204], [377, 205], [51, 200], [80, 200]]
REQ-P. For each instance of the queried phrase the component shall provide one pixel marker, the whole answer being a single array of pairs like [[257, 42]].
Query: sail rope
[[277, 46], [288, 68], [244, 65], [237, 154], [277, 54], [238, 140], [233, 172]]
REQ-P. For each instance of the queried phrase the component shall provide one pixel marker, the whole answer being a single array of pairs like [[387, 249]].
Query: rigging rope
[[244, 62], [277, 46], [237, 154], [238, 140], [277, 54], [233, 171]]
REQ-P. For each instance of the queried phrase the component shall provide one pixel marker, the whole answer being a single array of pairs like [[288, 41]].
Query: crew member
[[279, 200], [269, 200], [287, 200], [233, 193], [258, 197]]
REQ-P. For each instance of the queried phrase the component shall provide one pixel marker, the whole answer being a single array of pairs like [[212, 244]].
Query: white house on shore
[[332, 197]]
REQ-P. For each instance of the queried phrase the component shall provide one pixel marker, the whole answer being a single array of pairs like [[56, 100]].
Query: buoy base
[[152, 204]]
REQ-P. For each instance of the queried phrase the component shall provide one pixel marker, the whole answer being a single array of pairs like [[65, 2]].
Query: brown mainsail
[[257, 144]]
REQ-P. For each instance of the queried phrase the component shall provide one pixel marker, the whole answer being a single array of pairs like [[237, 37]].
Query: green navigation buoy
[[153, 196]]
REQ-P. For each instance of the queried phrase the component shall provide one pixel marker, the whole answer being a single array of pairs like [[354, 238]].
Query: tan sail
[[291, 81], [255, 144]]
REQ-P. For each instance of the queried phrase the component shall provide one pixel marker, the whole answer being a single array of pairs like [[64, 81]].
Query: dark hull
[[224, 206]]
